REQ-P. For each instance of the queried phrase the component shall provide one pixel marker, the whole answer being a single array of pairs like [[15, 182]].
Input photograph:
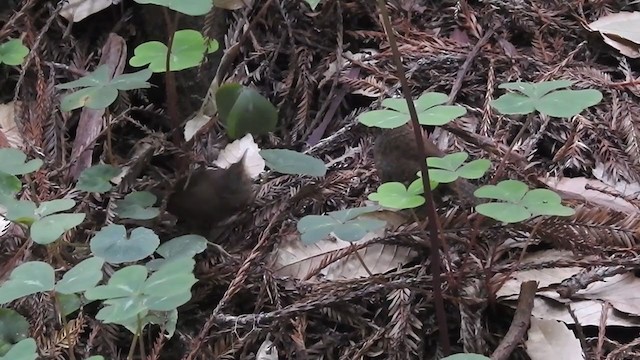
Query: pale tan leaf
[[77, 10], [194, 124], [622, 291], [254, 163], [620, 31], [585, 189], [544, 277], [551, 339], [267, 351], [549, 305], [298, 260], [8, 125]]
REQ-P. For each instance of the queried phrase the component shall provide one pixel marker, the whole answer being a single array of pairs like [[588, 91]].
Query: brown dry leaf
[[8, 126], [77, 10], [298, 260], [625, 188], [551, 339], [620, 31], [578, 186]]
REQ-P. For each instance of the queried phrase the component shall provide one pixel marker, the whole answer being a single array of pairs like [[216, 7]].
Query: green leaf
[[12, 52], [50, 228], [138, 206], [10, 185], [505, 212], [54, 206], [96, 357], [173, 277], [182, 246], [440, 115], [545, 202], [567, 103], [97, 178], [188, 50], [126, 282], [24, 350], [385, 119], [342, 223], [243, 110], [27, 279], [12, 162], [99, 91], [21, 211], [355, 230], [69, 303], [514, 104], [112, 244], [191, 7], [292, 162], [119, 310], [465, 357], [474, 169], [13, 328], [507, 190], [352, 213], [396, 196], [546, 98], [536, 90], [448, 162], [313, 4], [85, 275], [424, 102]]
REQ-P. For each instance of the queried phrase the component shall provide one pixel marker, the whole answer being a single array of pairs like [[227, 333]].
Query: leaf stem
[[432, 216]]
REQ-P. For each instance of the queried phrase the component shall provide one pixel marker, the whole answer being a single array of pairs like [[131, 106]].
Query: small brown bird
[[208, 197], [396, 157]]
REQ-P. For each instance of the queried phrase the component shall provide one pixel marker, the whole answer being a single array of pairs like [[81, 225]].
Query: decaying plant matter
[[321, 70]]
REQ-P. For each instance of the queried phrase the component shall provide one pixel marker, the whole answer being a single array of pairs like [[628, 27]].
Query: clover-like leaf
[[546, 98], [450, 167], [27, 279], [312, 3], [125, 282], [188, 50], [384, 119], [12, 162], [468, 356], [440, 115], [518, 203], [97, 178], [12, 52], [69, 303], [244, 110], [292, 162], [191, 7], [396, 196], [138, 205], [54, 206], [112, 244], [13, 329], [342, 223], [85, 275], [50, 228], [98, 90]]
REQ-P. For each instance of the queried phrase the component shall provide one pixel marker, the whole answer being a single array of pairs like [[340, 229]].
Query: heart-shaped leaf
[[50, 228], [112, 244], [27, 279], [24, 350], [188, 50], [440, 115], [182, 246], [396, 196], [9, 185], [384, 119], [12, 52], [13, 328], [12, 162], [85, 275], [54, 206], [138, 206], [97, 178], [21, 211]]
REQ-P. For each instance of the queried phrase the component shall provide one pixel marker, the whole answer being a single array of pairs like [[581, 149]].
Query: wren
[[208, 197]]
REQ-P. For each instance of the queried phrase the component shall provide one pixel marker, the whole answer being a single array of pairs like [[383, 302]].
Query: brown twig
[[520, 323], [432, 215]]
